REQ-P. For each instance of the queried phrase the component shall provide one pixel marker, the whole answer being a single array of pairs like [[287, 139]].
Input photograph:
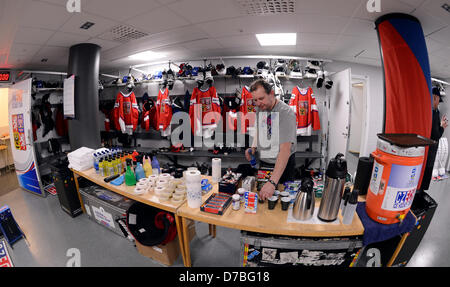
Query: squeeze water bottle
[[253, 159], [155, 166], [96, 160], [140, 173]]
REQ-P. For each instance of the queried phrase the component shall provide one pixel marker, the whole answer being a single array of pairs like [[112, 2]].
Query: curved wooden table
[[264, 221]]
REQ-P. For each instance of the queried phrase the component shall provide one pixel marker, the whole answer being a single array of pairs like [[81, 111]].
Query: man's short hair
[[261, 83]]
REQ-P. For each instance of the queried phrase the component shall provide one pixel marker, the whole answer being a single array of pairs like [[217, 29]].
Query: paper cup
[[272, 201], [285, 201]]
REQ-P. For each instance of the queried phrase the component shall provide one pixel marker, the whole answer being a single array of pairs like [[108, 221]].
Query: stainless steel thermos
[[305, 201], [334, 188]]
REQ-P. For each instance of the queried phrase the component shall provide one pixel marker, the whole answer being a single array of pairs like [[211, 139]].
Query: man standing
[[437, 129], [277, 125]]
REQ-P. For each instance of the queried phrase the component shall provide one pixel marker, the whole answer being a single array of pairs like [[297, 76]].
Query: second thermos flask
[[334, 187]]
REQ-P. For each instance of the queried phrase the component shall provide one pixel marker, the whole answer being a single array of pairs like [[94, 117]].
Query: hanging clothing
[[126, 113], [230, 108], [247, 106], [61, 124], [163, 110], [204, 102], [303, 103], [149, 117]]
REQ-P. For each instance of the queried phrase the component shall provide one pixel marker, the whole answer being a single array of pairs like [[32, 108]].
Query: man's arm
[[280, 165], [282, 160]]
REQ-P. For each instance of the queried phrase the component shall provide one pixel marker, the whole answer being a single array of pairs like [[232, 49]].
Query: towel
[[378, 232]]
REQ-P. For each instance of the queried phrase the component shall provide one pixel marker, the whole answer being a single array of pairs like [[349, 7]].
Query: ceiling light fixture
[[277, 39], [147, 56], [87, 25]]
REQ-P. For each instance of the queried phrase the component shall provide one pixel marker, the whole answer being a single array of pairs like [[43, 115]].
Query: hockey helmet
[[195, 71], [158, 75], [247, 71], [320, 79], [311, 73], [262, 65], [313, 65], [280, 71], [220, 69], [231, 70]]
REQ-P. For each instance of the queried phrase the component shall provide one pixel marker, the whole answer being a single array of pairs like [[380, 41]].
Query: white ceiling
[[183, 29]]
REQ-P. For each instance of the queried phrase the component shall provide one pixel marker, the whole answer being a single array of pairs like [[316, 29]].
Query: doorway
[[357, 121]]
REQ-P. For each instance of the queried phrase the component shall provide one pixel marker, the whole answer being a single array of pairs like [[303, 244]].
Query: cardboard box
[[166, 254]]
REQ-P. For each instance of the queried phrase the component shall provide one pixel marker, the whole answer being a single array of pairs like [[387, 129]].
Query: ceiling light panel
[[277, 39], [123, 34], [267, 7]]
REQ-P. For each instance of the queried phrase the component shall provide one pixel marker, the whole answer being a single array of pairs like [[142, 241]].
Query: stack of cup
[[216, 169], [141, 186], [179, 194], [285, 200], [162, 190], [194, 188]]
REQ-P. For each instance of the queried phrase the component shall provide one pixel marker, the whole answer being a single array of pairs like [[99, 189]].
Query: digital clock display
[[4, 76]]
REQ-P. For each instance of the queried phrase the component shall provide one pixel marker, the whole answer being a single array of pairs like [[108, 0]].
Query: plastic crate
[[106, 208]]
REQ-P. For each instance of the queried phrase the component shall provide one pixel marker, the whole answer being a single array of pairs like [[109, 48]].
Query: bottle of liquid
[[253, 159], [111, 167], [119, 164], [130, 178], [147, 166], [344, 200], [350, 209], [101, 170], [140, 173], [96, 161], [155, 166]]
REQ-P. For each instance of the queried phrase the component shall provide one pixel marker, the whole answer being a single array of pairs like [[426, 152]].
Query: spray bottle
[[130, 178], [147, 166]]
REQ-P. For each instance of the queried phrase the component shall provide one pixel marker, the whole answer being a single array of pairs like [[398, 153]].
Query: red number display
[[4, 76]]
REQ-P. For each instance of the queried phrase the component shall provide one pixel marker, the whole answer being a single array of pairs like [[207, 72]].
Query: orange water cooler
[[396, 173]]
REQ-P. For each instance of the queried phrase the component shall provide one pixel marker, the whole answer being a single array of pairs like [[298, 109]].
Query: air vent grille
[[267, 7], [123, 34]]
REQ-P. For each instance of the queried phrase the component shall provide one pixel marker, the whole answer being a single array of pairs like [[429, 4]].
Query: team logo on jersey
[[206, 104], [127, 108], [251, 106], [303, 108]]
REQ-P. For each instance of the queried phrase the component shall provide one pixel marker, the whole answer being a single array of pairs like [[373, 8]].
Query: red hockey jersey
[[247, 106], [163, 110], [126, 113], [201, 105], [305, 107]]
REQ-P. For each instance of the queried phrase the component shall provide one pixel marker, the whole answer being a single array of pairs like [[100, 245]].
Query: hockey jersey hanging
[[204, 110], [247, 106], [163, 111], [305, 107], [126, 113]]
